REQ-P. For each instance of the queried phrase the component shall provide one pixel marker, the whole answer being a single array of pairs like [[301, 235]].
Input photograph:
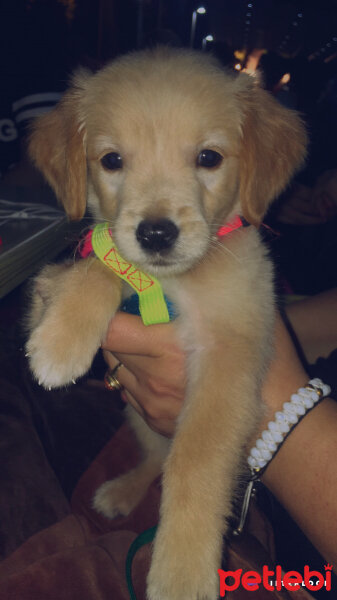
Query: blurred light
[[330, 58], [207, 38], [239, 55], [250, 5], [285, 79], [201, 10], [253, 59], [238, 66], [300, 15], [323, 50]]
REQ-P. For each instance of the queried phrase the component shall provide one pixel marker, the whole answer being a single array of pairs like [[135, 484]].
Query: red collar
[[236, 223], [85, 247]]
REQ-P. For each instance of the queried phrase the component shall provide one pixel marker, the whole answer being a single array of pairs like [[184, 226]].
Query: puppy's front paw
[[179, 572], [119, 496], [42, 290], [175, 586], [57, 354]]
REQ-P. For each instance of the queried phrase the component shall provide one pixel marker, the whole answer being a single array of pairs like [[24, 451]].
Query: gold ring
[[110, 380]]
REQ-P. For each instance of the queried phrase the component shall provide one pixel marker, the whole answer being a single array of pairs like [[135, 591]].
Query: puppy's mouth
[[160, 247], [160, 261]]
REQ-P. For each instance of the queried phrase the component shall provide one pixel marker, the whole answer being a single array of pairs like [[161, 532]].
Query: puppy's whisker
[[214, 243], [243, 260]]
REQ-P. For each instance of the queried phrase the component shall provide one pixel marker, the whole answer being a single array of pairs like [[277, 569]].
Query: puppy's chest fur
[[229, 291]]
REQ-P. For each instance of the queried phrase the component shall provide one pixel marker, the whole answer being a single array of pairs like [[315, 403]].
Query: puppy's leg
[[219, 416], [42, 291], [123, 494], [62, 346]]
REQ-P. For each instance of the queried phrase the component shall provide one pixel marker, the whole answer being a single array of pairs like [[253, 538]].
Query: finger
[[164, 427], [129, 399], [127, 334], [123, 375], [136, 391], [111, 360]]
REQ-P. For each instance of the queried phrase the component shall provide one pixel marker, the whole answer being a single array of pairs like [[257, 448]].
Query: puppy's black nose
[[157, 235]]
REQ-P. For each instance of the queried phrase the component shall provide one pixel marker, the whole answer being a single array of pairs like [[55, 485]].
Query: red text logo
[[274, 580]]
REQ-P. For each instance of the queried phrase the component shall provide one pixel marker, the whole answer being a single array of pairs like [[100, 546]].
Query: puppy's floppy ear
[[273, 147], [57, 147]]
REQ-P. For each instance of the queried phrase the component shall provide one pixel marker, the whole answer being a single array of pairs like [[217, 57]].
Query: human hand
[[154, 381], [153, 373]]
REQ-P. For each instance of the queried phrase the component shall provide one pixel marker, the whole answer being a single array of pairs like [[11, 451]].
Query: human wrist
[[285, 376], [285, 420], [302, 477]]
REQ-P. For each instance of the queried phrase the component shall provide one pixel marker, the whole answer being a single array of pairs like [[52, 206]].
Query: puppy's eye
[[209, 159], [112, 161]]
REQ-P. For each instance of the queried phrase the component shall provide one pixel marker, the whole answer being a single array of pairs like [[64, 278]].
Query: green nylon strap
[[153, 309], [152, 305], [142, 539]]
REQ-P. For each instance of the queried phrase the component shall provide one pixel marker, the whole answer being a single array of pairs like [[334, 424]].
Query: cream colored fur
[[158, 110]]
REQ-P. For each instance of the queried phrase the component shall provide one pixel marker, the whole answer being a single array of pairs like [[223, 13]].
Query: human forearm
[[303, 478], [303, 474]]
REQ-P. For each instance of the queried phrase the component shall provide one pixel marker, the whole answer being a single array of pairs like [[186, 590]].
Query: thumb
[[128, 334]]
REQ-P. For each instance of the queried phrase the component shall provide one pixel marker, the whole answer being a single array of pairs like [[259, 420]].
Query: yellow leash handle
[[152, 305]]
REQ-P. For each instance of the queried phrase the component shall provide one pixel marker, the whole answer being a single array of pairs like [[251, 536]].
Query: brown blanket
[[82, 557]]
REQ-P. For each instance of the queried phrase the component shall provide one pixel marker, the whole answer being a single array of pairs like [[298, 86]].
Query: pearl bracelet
[[272, 438]]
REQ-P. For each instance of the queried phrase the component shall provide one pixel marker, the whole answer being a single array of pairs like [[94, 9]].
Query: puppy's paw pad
[[113, 498]]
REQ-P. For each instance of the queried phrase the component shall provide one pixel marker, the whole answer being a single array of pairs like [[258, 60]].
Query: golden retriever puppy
[[167, 147]]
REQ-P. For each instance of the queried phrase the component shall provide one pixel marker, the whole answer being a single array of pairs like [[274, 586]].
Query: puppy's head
[[166, 146]]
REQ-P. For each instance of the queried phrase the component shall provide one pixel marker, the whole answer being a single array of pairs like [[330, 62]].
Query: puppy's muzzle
[[157, 236]]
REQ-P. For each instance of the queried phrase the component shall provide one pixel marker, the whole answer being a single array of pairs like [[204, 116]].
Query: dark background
[[68, 31], [42, 41]]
